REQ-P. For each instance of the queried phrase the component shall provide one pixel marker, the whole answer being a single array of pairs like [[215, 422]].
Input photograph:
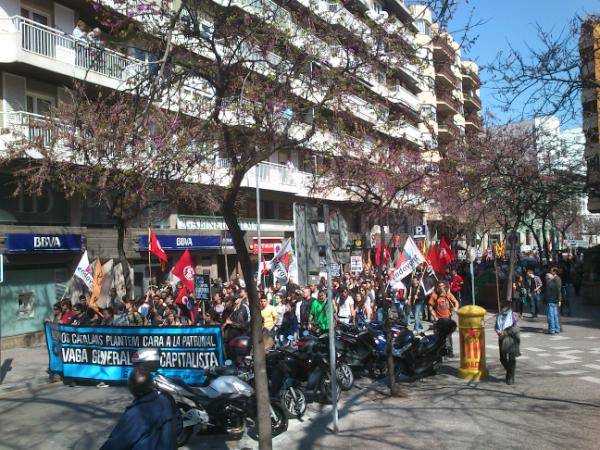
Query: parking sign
[[420, 231]]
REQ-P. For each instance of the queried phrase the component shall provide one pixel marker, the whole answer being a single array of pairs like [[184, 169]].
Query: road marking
[[591, 379], [572, 372], [534, 349], [559, 338], [566, 361], [545, 367], [560, 348], [592, 366]]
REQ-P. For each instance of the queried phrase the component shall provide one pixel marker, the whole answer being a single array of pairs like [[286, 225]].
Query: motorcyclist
[[149, 422]]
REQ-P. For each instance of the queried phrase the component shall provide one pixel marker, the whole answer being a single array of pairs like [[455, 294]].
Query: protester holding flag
[[441, 304]]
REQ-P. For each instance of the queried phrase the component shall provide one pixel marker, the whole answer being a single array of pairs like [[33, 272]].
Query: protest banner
[[104, 353]]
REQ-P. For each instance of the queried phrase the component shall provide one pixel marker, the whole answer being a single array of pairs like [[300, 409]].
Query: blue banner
[[104, 353], [172, 242], [42, 243]]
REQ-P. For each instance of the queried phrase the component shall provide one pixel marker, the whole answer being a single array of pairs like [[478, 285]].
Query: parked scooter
[[223, 402], [420, 355]]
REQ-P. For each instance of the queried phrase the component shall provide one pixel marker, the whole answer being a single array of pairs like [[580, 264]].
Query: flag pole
[[149, 266]]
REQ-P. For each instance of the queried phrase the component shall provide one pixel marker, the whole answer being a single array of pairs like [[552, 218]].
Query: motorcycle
[[223, 402], [416, 356], [363, 348], [311, 365]]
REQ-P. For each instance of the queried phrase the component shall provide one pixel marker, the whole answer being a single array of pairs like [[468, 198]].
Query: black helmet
[[403, 341]]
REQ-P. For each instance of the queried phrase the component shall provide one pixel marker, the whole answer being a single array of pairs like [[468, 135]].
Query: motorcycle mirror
[[305, 333], [228, 362]]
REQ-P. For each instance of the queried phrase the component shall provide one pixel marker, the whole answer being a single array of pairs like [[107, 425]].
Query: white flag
[[84, 271], [410, 258]]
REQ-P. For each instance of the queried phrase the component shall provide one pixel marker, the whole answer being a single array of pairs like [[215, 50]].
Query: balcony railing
[[51, 43], [452, 102], [472, 97], [26, 125]]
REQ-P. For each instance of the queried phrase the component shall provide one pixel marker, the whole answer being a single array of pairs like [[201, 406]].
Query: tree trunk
[[537, 241], [511, 264], [121, 231], [546, 248], [263, 405]]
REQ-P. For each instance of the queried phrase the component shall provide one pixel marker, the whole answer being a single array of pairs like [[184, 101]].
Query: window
[[38, 105], [428, 112], [377, 7], [428, 83], [38, 17], [424, 27], [332, 7]]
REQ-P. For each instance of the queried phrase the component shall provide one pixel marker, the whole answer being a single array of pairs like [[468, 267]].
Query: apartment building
[[42, 237], [589, 49], [450, 97]]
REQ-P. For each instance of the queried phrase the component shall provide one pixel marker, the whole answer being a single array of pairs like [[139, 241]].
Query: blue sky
[[513, 21]]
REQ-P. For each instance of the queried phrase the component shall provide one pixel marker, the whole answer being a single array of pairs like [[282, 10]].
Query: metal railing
[[52, 43], [27, 125]]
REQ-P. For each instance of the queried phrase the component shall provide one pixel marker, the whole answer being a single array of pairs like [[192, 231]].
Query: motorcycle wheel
[[293, 401], [279, 420], [183, 434], [325, 389], [345, 377]]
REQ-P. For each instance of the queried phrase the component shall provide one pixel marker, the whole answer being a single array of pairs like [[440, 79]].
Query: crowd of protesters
[[358, 298]]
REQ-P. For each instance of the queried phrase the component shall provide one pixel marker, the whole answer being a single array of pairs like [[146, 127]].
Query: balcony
[[473, 123], [443, 49], [400, 129], [472, 101], [470, 77], [400, 94], [445, 76], [19, 125], [29, 42], [274, 177], [447, 103], [448, 131]]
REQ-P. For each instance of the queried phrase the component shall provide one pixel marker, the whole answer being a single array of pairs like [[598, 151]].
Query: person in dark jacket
[[508, 339], [149, 422], [553, 298]]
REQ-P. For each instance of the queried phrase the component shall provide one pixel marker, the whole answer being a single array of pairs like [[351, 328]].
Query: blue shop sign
[[42, 243], [171, 242]]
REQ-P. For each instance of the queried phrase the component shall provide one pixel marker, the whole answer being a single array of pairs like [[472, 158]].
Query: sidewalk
[[24, 368]]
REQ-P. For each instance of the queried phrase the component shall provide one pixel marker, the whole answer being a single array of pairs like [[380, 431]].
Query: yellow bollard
[[472, 343]]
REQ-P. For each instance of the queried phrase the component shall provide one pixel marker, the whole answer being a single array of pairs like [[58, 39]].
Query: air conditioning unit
[[383, 15]]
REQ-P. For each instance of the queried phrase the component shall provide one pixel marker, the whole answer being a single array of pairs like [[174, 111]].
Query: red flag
[[433, 258], [156, 249], [386, 254], [446, 255], [184, 270], [265, 269]]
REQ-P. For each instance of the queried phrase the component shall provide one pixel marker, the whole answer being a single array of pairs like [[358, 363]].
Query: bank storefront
[[38, 262]]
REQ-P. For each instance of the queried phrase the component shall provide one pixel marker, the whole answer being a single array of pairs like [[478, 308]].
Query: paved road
[[555, 404]]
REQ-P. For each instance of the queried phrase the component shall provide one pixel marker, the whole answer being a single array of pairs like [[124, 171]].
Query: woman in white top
[[346, 311]]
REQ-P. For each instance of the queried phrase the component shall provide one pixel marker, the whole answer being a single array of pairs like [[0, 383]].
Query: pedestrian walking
[[553, 298], [534, 292], [508, 339], [441, 304]]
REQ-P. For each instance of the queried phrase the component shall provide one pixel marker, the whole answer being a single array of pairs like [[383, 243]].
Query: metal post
[[258, 277], [332, 352], [472, 281]]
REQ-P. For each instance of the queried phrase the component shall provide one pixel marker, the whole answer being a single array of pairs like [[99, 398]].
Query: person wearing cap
[[508, 339], [149, 423]]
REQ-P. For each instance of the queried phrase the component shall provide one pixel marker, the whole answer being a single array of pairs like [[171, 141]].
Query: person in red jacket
[[456, 283]]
